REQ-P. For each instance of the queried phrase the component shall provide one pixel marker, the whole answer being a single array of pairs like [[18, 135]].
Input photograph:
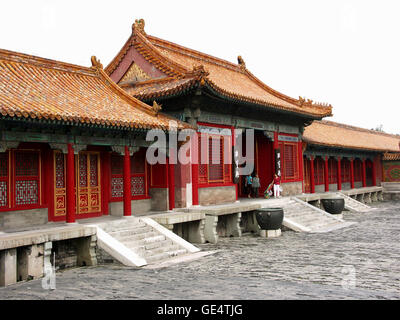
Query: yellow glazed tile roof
[[333, 134], [37, 88], [229, 79]]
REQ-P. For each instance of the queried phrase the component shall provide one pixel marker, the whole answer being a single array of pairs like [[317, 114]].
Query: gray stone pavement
[[358, 262]]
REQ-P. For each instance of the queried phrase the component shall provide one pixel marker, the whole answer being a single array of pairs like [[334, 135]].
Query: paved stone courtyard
[[358, 262]]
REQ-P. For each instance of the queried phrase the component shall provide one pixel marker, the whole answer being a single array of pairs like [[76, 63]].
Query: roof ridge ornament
[[156, 107], [199, 71], [241, 63], [138, 26], [96, 64]]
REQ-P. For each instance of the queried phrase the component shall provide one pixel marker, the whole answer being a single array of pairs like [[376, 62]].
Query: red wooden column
[[127, 183], [70, 216], [352, 172], [233, 159], [312, 178], [106, 181], [374, 172], [195, 169], [364, 176], [300, 163], [339, 174], [326, 175], [171, 180]]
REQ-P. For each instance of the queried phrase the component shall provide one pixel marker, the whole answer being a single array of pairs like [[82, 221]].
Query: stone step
[[131, 230], [299, 213], [140, 247], [165, 255], [165, 248], [133, 236], [124, 223]]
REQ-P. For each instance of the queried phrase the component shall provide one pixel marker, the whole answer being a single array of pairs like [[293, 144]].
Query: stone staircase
[[303, 217], [142, 240], [352, 204]]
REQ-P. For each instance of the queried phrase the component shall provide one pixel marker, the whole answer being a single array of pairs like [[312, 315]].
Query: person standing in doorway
[[256, 185], [277, 186], [249, 182]]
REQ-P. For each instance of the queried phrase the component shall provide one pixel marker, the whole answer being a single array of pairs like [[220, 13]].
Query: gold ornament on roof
[[156, 107], [138, 26], [241, 62], [96, 63]]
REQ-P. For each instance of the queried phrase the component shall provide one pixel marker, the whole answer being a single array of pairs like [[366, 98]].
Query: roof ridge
[[116, 88], [151, 81], [199, 55], [174, 66], [352, 127], [44, 62], [299, 102]]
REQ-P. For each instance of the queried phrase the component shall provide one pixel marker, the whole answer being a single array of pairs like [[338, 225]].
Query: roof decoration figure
[[138, 26], [96, 63], [156, 107], [241, 62]]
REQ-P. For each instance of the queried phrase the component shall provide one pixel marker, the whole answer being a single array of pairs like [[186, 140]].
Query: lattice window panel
[[357, 170], [138, 162], [203, 168], [215, 154], [83, 176], [138, 186], [345, 170], [26, 192], [319, 175], [94, 172], [60, 170], [3, 194], [332, 170], [117, 164], [117, 187], [3, 164], [289, 161], [26, 164], [4, 179]]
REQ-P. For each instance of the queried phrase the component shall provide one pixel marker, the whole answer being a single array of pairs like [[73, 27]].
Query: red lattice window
[[27, 181], [289, 161], [215, 159], [202, 159], [214, 166], [117, 180], [345, 170], [3, 179], [94, 170], [138, 175], [332, 170], [319, 171], [357, 170]]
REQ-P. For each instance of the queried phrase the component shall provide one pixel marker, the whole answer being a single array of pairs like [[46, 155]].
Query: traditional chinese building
[[342, 157], [73, 144], [217, 96]]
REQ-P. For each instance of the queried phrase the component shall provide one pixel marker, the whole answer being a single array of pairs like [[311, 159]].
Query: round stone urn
[[269, 218], [333, 205]]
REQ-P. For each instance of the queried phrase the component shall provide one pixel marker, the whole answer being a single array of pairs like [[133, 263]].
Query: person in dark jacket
[[256, 185]]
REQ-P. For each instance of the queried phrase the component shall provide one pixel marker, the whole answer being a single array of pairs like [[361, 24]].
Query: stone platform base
[[270, 233]]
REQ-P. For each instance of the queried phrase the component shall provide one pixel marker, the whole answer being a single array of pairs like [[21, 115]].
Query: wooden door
[[88, 183]]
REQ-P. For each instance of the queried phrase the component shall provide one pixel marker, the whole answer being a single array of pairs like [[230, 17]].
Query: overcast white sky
[[346, 53]]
